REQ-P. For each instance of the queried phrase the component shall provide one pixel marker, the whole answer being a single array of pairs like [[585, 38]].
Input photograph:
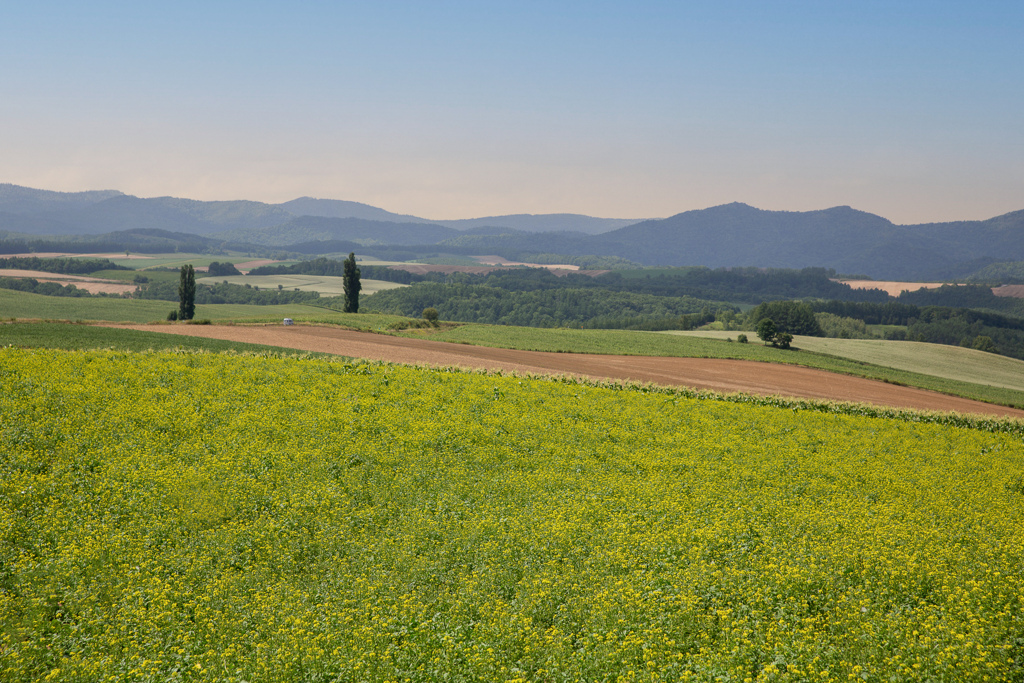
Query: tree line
[[64, 266], [541, 308]]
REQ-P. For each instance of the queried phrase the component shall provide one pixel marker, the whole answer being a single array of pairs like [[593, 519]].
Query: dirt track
[[716, 374]]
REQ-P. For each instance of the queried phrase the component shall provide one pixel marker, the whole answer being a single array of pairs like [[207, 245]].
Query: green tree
[[984, 343], [782, 340], [766, 331], [431, 315], [350, 280], [187, 293]]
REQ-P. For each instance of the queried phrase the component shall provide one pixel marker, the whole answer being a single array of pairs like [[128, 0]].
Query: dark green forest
[[561, 307]]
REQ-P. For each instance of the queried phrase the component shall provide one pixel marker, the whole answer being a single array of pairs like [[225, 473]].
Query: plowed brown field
[[703, 373]]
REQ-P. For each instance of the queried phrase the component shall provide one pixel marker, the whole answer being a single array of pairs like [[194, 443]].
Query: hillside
[[42, 212], [554, 222], [320, 229], [842, 238]]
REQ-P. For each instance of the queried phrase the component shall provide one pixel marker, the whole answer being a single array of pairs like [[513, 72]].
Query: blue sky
[[913, 110]]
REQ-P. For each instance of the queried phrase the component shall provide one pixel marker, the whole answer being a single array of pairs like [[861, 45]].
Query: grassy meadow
[[71, 336], [951, 362], [23, 305], [175, 260], [973, 385], [949, 370], [196, 516], [326, 285]]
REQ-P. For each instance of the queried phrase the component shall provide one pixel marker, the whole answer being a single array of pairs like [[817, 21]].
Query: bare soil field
[[93, 285], [249, 265], [421, 268], [61, 254], [1016, 291], [892, 288], [501, 261], [726, 376]]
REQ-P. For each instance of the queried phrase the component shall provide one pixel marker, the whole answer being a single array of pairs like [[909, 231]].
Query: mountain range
[[736, 234], [44, 212]]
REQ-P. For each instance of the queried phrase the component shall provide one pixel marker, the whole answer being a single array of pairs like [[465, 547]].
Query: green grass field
[[324, 284], [35, 306], [951, 362], [130, 275], [988, 378], [71, 336], [693, 346], [176, 260]]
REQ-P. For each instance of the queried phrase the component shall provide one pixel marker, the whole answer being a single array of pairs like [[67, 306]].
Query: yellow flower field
[[196, 517]]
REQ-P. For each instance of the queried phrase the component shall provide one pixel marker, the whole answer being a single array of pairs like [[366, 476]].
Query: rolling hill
[[843, 238]]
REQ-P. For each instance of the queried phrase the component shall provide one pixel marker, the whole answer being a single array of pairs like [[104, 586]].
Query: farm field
[[724, 376], [176, 260], [892, 288], [259, 519], [326, 285], [951, 362], [15, 304], [75, 336], [95, 285], [30, 306], [713, 345]]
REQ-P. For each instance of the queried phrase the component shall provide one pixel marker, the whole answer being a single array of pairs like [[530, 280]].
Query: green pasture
[[326, 285], [964, 373], [36, 306], [174, 260], [950, 362], [74, 336], [130, 275], [629, 342]]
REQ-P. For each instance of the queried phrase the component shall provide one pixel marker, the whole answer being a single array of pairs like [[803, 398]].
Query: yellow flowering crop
[[191, 517]]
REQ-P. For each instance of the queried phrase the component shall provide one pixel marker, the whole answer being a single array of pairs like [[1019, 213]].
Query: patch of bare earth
[[1016, 291], [93, 285], [892, 288], [720, 375], [61, 254], [421, 268], [249, 265]]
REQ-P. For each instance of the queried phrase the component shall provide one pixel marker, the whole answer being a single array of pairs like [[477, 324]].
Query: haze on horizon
[[458, 109]]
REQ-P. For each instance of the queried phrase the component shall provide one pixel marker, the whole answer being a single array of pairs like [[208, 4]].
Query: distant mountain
[[15, 199], [147, 241], [337, 208], [848, 240], [551, 222], [548, 222], [318, 228], [42, 212]]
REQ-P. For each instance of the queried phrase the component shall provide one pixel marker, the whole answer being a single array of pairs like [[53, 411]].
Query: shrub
[[430, 315], [741, 338]]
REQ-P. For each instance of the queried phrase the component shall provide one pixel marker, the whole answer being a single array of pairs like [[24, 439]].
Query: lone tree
[[187, 293], [770, 334], [766, 330], [350, 280]]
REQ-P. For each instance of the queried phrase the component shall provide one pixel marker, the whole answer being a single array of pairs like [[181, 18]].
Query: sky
[[910, 109]]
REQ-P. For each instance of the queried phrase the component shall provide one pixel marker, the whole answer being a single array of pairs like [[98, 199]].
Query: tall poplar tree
[[350, 280], [187, 293]]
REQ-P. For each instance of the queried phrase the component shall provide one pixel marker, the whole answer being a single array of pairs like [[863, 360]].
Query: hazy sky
[[910, 109]]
